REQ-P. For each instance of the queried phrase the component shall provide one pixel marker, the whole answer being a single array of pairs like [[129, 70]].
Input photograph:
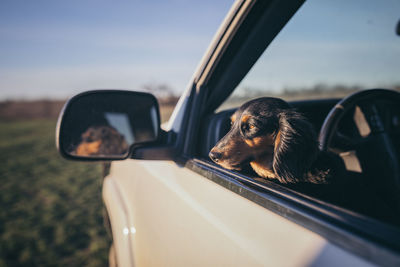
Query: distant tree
[[165, 94], [160, 90]]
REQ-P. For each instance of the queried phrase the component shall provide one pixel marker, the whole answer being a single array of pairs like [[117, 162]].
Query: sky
[[340, 42], [55, 49]]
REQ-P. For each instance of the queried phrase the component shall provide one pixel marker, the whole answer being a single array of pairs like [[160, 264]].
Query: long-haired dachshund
[[101, 141], [277, 142]]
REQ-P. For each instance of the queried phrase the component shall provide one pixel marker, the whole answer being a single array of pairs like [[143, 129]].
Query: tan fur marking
[[233, 118], [87, 149], [277, 139], [263, 166], [245, 118], [250, 142]]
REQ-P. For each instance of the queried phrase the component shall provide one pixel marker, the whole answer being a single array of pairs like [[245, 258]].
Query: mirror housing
[[107, 125]]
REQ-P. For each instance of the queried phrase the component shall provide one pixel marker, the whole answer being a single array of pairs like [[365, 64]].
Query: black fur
[[297, 150]]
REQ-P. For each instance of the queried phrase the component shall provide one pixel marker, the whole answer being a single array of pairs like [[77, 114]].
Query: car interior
[[363, 193]]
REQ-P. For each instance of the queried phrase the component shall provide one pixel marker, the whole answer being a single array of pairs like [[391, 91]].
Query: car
[[169, 205]]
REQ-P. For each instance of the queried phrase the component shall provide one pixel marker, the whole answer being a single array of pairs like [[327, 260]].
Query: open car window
[[328, 49], [319, 58]]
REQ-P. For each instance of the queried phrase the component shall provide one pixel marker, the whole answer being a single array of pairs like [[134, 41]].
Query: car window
[[322, 55]]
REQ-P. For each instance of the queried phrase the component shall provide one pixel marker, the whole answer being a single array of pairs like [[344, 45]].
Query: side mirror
[[106, 124]]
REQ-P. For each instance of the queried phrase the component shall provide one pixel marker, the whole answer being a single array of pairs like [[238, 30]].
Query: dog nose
[[215, 156]]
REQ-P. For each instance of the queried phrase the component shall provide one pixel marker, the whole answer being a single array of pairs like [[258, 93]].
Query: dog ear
[[296, 147]]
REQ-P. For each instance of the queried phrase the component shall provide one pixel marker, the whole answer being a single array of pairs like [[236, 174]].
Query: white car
[[169, 205]]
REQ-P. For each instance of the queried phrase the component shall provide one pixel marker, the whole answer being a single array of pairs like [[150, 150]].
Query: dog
[[101, 141], [275, 140]]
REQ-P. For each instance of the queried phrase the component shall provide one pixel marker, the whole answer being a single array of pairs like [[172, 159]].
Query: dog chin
[[236, 167]]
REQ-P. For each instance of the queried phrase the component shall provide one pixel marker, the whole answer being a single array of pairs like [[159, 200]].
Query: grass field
[[51, 209]]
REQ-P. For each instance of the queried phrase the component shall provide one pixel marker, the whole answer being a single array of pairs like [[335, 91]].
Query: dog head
[[275, 140], [101, 140]]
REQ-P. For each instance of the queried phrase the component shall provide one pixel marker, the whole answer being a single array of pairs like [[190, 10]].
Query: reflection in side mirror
[[105, 124]]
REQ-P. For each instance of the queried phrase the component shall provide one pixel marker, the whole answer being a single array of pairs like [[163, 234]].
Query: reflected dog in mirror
[[275, 140], [101, 140]]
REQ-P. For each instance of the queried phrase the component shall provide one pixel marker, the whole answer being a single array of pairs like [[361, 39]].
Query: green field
[[51, 209]]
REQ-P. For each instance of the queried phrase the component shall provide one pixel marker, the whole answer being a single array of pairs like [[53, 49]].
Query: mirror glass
[[105, 124]]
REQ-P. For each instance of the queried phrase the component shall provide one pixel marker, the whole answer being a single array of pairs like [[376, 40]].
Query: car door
[[173, 216], [186, 211]]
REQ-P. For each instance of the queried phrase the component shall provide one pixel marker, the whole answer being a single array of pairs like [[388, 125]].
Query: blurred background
[[51, 209]]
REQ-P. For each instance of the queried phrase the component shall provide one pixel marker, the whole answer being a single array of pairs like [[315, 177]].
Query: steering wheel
[[373, 151]]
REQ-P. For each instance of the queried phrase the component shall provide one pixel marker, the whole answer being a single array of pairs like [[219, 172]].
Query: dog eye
[[248, 127], [251, 126]]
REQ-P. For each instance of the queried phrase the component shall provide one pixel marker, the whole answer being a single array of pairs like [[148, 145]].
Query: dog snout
[[215, 156]]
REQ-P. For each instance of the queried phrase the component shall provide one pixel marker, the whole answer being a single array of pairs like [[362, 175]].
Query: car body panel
[[117, 211], [163, 214]]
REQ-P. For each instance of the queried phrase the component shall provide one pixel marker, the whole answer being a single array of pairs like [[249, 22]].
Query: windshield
[[329, 49]]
